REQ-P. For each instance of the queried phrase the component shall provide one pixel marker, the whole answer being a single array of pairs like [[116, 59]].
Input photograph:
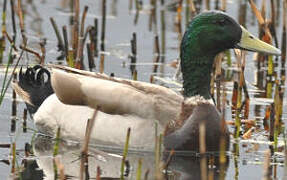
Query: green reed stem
[[139, 170], [277, 116], [4, 18], [57, 142], [56, 152], [228, 56], [125, 153], [13, 157], [270, 66]]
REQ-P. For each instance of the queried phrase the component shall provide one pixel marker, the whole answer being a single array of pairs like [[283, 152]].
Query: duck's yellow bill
[[252, 43]]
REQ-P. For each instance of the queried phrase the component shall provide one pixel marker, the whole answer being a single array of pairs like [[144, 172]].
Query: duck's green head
[[208, 34], [212, 32]]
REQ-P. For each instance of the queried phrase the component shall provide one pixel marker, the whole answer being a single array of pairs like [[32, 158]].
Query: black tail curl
[[36, 81]]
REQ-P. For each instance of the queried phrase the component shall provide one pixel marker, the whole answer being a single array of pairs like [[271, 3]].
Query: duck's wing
[[115, 95]]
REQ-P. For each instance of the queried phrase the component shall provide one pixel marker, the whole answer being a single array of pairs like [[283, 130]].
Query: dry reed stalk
[[156, 53], [152, 18], [207, 5], [260, 18], [223, 5], [248, 122], [13, 20], [14, 106], [247, 134], [277, 115], [168, 161], [241, 65], [75, 30], [179, 19], [60, 167], [13, 166], [94, 37], [27, 149], [272, 122], [202, 150], [58, 35], [158, 164], [21, 21], [163, 35], [218, 62], [25, 121], [130, 4], [66, 43], [43, 51], [146, 174], [90, 56], [266, 118], [80, 48], [285, 163], [2, 48], [70, 58], [284, 38], [98, 177], [11, 41], [242, 12], [32, 52], [133, 56], [266, 166], [5, 145], [135, 75], [4, 18], [222, 158], [85, 146], [102, 58]]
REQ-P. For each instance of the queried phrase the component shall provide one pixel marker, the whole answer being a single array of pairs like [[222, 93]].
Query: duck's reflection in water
[[180, 166], [185, 166]]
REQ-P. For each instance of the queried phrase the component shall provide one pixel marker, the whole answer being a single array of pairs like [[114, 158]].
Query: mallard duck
[[126, 103]]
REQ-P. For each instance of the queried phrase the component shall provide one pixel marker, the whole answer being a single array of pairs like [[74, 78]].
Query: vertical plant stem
[[284, 38], [156, 54], [163, 36], [13, 20], [133, 53], [102, 58], [13, 158], [80, 48], [4, 18], [139, 170], [266, 167], [125, 153], [25, 120], [75, 31], [202, 150], [223, 5], [14, 106], [90, 56], [66, 43], [58, 35], [95, 38], [207, 5], [21, 20], [84, 156], [56, 152]]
